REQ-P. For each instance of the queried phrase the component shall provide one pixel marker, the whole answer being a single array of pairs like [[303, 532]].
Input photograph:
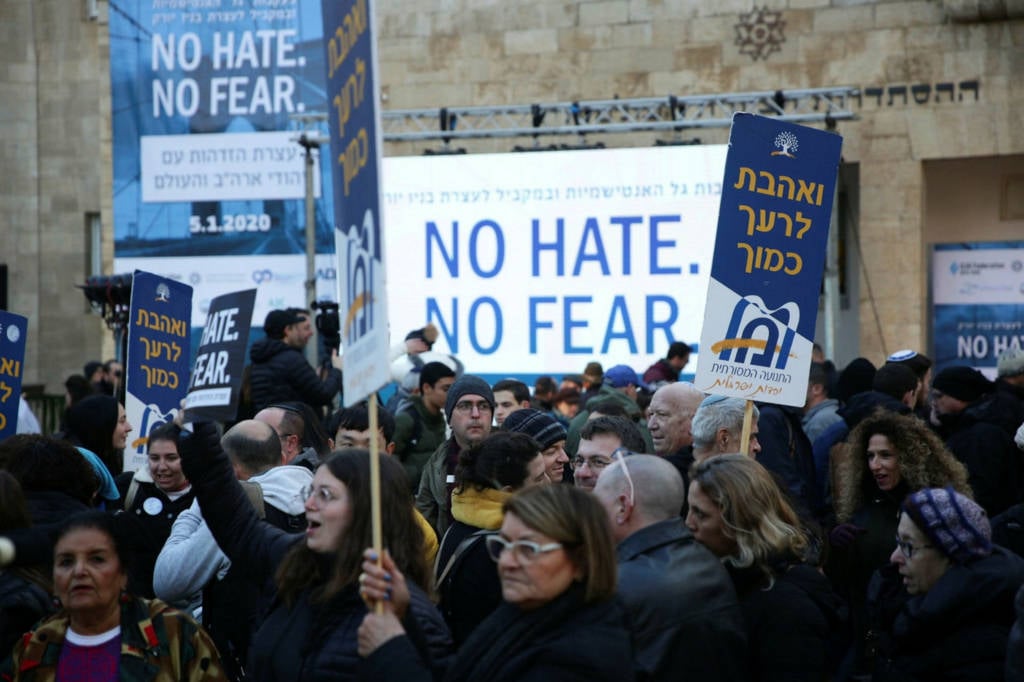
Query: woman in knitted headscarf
[[943, 609], [887, 456]]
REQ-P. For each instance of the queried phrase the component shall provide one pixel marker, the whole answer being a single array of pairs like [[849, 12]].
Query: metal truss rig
[[615, 115]]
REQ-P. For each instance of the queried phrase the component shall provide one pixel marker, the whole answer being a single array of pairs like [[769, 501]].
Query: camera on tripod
[[328, 323]]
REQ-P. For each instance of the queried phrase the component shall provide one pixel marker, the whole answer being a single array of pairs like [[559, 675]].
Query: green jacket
[[417, 435], [157, 643]]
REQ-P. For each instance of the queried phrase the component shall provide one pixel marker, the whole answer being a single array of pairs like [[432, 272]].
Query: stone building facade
[[936, 154]]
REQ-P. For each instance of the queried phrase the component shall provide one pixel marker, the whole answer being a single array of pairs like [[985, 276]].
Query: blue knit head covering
[[956, 524]]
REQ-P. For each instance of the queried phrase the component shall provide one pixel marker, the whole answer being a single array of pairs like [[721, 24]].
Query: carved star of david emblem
[[759, 33]]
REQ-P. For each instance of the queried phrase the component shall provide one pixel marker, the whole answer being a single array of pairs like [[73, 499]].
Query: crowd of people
[[609, 525]]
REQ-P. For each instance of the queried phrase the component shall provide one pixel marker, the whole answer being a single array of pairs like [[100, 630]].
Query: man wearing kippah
[[978, 429]]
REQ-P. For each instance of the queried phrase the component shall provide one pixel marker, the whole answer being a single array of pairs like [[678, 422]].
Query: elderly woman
[[887, 456], [103, 630], [487, 475], [738, 512], [309, 632], [943, 609], [559, 620]]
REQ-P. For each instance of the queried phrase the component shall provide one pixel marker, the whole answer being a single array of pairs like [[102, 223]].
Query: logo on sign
[[754, 328], [359, 259], [261, 276], [13, 333], [787, 144], [163, 293]]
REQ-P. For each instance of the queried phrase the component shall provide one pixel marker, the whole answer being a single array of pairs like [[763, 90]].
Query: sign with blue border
[[769, 256], [13, 331], [355, 162], [159, 353]]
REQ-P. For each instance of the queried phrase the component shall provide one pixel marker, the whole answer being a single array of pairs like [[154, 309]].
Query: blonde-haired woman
[[738, 512], [886, 457]]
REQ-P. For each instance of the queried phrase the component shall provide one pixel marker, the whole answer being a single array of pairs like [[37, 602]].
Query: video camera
[[328, 323]]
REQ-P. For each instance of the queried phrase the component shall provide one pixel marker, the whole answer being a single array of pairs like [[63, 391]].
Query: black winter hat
[[467, 384], [963, 383]]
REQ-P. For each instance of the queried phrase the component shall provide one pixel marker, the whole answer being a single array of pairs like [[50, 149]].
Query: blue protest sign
[[156, 367], [769, 257], [13, 330], [352, 90], [220, 360]]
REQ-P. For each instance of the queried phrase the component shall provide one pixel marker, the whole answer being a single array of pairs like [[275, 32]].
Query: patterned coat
[[157, 642]]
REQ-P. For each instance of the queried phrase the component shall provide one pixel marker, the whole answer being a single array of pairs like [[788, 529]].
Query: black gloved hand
[[198, 448], [843, 535]]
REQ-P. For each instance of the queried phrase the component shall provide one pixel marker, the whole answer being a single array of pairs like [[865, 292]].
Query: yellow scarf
[[479, 508]]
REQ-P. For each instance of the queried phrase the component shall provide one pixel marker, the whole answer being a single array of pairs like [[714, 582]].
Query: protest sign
[[157, 362], [769, 257], [220, 360], [13, 330]]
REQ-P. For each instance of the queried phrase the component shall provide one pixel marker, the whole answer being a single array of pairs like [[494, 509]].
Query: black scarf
[[507, 633]]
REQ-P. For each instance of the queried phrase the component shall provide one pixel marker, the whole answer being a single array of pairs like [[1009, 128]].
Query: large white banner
[[528, 263], [535, 263]]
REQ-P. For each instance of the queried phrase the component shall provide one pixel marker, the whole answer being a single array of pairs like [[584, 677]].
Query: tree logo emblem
[[787, 144]]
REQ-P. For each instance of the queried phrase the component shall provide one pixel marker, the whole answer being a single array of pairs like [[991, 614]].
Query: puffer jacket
[[956, 631], [157, 643], [280, 373]]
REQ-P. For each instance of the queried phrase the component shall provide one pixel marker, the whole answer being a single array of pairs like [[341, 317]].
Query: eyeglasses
[[596, 463], [321, 496], [525, 551], [622, 454], [907, 549], [467, 406]]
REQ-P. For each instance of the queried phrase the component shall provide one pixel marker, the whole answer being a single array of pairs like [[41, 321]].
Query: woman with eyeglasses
[[559, 620], [886, 457], [309, 632], [487, 475], [738, 512], [943, 608]]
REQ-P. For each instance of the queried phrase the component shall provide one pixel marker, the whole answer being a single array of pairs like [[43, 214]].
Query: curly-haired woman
[[887, 456]]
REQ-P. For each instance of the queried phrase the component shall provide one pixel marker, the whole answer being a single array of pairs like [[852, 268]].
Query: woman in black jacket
[[559, 620], [738, 512], [487, 475], [942, 611], [309, 633], [152, 498]]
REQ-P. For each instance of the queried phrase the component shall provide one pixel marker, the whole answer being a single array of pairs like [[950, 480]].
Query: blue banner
[[768, 262], [978, 303], [352, 88], [157, 366], [13, 330]]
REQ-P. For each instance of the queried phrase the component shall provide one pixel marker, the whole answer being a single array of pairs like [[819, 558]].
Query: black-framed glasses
[[525, 551], [907, 549], [595, 462]]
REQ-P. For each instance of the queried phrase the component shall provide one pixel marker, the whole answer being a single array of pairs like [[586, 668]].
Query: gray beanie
[[467, 384], [956, 524]]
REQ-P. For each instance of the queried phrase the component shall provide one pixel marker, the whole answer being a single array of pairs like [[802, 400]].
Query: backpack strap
[[457, 555], [255, 494], [129, 497]]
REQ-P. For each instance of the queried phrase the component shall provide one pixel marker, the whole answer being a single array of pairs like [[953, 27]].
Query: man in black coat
[[975, 422], [280, 372], [685, 617]]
